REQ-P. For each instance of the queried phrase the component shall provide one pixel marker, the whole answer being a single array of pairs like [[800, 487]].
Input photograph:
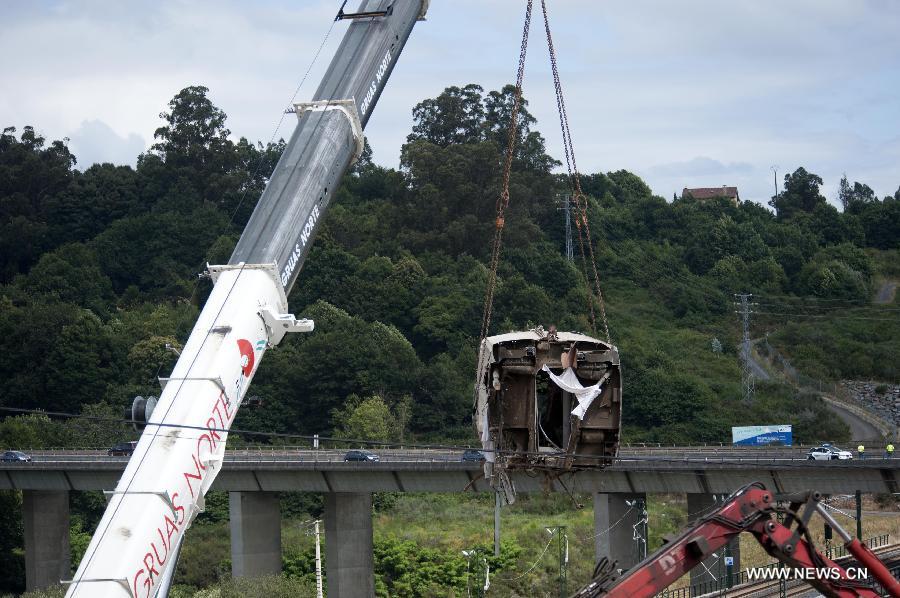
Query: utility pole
[[747, 379], [562, 542], [497, 523], [318, 563], [639, 529], [567, 208], [479, 589]]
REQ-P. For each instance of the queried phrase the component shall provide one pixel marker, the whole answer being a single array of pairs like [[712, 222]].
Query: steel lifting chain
[[581, 204], [503, 199], [581, 220]]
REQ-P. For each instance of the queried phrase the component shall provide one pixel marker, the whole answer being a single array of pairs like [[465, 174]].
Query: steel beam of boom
[[162, 488]]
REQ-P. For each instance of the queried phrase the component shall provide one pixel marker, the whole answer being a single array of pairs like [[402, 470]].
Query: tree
[[150, 356], [845, 193], [194, 132], [801, 194], [71, 274], [80, 366], [31, 175], [97, 197], [628, 186], [159, 253], [456, 116], [312, 375], [194, 162], [881, 223], [530, 152], [366, 419], [839, 272], [463, 116], [826, 222], [854, 199], [664, 399], [445, 401], [12, 537], [31, 431]]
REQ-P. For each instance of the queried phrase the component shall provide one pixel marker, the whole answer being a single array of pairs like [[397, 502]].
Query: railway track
[[793, 588]]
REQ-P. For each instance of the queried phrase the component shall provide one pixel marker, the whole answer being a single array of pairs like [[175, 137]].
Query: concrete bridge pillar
[[255, 533], [614, 528], [349, 560], [46, 522], [713, 568]]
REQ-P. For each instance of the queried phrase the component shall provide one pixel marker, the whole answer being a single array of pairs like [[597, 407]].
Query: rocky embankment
[[883, 399]]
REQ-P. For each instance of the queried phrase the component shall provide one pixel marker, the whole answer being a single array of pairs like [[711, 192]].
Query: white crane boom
[[181, 449]]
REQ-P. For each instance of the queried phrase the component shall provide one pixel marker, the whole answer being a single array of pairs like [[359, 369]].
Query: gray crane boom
[[327, 139]]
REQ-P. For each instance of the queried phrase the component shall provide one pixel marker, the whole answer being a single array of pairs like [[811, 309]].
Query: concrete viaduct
[[254, 479]]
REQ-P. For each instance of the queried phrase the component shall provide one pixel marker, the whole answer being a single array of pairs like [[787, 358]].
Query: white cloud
[[701, 166], [95, 142], [648, 83]]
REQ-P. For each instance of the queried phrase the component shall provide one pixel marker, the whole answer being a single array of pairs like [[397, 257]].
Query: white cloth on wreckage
[[486, 443], [568, 381]]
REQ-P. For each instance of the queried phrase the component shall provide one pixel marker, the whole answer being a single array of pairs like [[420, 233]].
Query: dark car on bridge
[[15, 457], [122, 449], [361, 455], [472, 455]]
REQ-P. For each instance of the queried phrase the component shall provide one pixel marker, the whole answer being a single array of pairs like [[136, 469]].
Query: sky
[[685, 93]]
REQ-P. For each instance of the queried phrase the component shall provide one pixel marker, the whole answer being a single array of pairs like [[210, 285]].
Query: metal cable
[[575, 179], [259, 164], [531, 568], [502, 202], [503, 199], [610, 528]]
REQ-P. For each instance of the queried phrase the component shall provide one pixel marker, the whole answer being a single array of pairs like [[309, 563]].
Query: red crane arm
[[751, 510]]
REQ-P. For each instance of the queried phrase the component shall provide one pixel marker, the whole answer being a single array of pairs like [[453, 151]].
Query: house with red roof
[[706, 193]]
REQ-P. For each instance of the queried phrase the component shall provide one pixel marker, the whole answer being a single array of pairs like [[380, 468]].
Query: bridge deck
[[694, 471]]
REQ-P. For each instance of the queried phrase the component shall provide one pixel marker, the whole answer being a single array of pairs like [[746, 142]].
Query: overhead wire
[[807, 308], [259, 162], [283, 114], [611, 527], [820, 316], [261, 158], [531, 568], [821, 299]]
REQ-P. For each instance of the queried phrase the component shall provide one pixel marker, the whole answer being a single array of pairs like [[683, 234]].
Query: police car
[[827, 452]]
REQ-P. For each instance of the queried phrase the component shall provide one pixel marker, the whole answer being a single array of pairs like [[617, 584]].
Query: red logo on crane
[[247, 358]]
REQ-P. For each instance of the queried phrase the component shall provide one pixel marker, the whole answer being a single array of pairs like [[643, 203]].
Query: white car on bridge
[[826, 452]]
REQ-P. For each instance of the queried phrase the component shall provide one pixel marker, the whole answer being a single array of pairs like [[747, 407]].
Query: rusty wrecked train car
[[548, 400]]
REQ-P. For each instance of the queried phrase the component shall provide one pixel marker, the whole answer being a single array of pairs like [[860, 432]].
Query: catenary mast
[[181, 449]]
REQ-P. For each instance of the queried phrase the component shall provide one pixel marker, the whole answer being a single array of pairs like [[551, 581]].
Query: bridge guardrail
[[708, 454]]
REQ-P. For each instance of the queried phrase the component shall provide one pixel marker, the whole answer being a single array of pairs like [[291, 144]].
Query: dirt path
[[860, 429], [887, 292]]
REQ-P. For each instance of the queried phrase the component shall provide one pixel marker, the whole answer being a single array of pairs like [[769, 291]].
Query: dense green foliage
[[106, 260], [98, 283]]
